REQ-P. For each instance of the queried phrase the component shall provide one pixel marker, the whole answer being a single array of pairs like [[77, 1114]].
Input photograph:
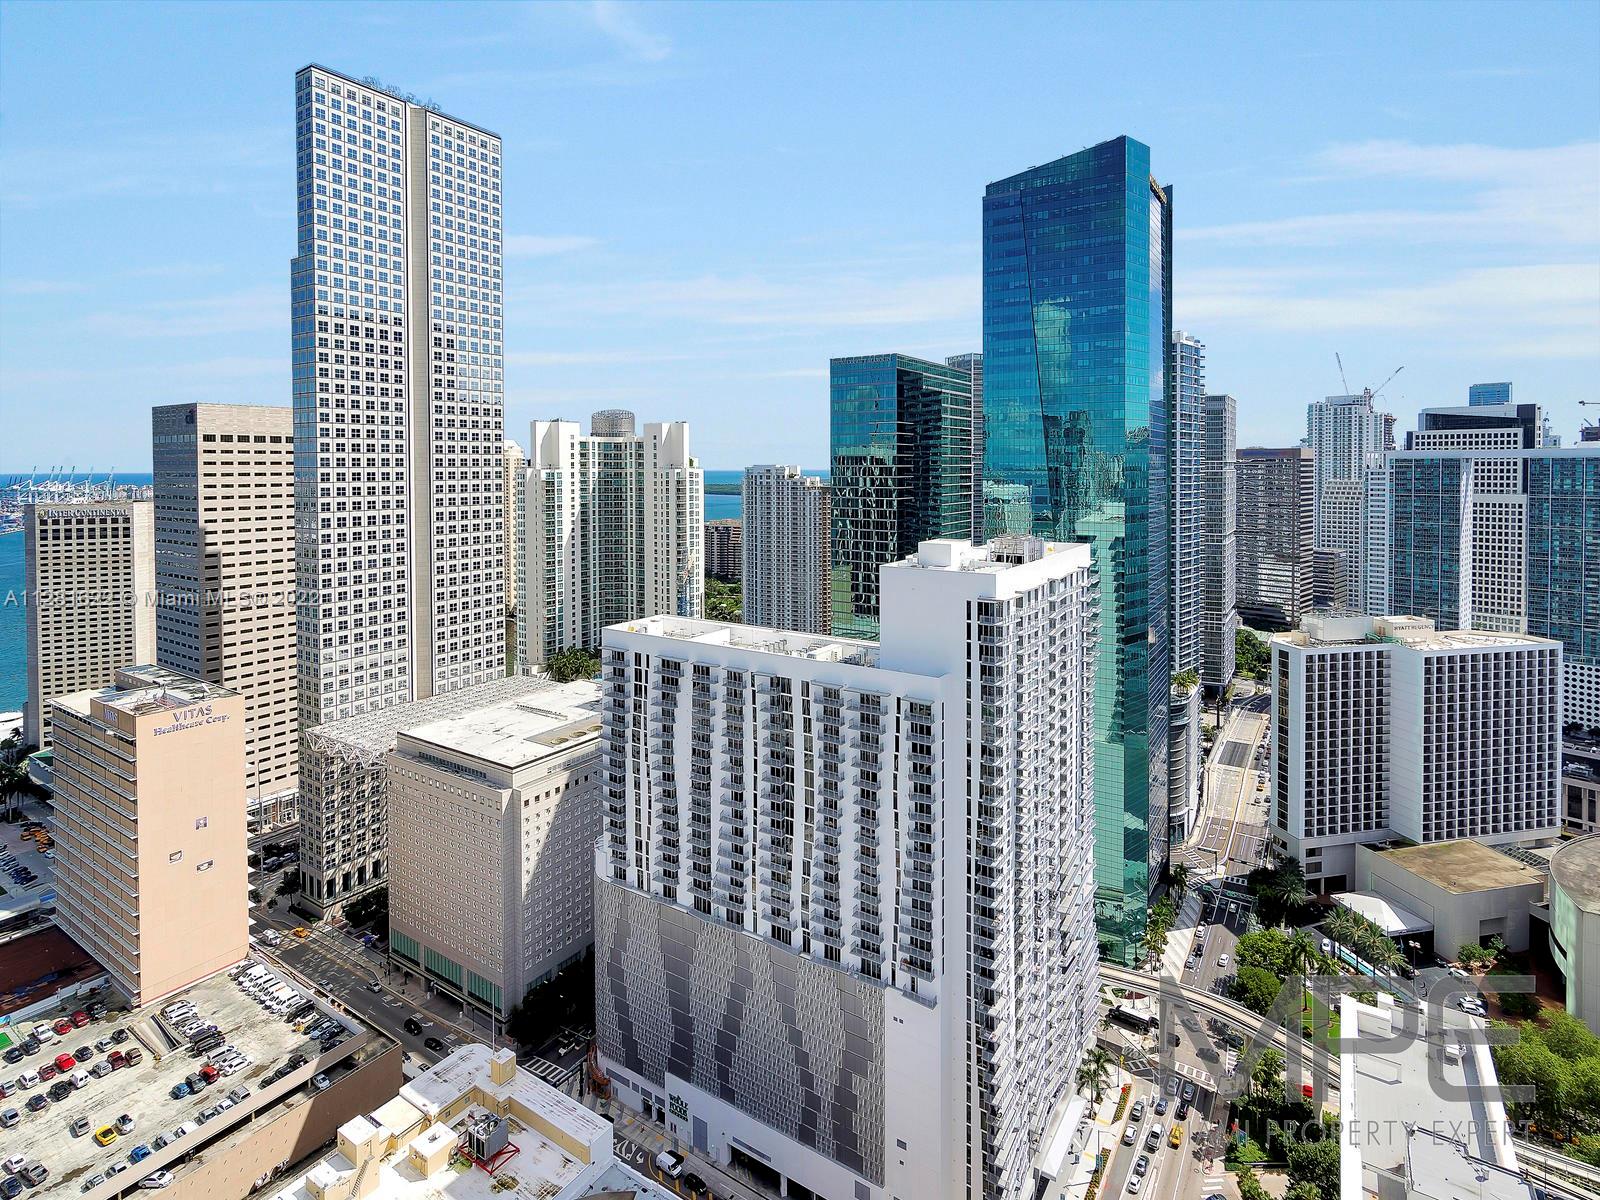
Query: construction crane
[[1386, 383], [1370, 394], [1343, 382]]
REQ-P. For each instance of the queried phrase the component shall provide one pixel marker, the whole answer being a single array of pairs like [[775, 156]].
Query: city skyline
[[156, 273]]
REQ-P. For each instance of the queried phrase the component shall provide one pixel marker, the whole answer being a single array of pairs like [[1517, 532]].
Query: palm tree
[[1303, 958], [1094, 1073], [1267, 1074], [1180, 881]]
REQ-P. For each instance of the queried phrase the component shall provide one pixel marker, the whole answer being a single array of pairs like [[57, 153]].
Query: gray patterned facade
[[796, 1043]]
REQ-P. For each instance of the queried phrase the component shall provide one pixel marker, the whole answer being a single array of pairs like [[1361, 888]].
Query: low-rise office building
[[475, 1126], [150, 828], [1580, 780], [1384, 727], [493, 816]]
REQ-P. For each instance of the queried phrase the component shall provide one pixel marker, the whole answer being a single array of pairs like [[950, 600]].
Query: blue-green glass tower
[[1076, 321]]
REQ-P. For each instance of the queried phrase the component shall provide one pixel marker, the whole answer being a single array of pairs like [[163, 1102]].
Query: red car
[[80, 1019], [48, 1071], [117, 1059], [65, 1063], [63, 1026], [210, 1073]]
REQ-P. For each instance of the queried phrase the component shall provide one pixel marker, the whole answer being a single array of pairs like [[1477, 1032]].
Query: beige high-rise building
[[515, 467], [150, 828], [224, 568], [493, 816], [89, 574]]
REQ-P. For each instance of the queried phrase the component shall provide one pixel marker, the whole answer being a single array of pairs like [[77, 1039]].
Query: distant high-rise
[[398, 374], [514, 465], [615, 530], [844, 905], [1186, 400], [901, 435], [1219, 607], [972, 364], [1479, 426], [89, 573], [225, 573], [1500, 539], [1488, 393], [1275, 536], [1344, 434], [1077, 316], [398, 399], [786, 547], [725, 549]]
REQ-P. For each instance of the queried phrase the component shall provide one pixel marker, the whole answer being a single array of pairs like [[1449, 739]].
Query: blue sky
[[706, 202]]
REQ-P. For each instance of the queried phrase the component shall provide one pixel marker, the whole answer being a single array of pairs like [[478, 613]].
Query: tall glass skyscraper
[[901, 433], [1076, 321]]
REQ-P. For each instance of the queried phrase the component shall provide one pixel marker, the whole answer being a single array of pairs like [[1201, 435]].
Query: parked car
[[14, 1055], [101, 1069], [9, 1118], [179, 1090], [433, 1044], [139, 1153], [80, 1019], [106, 1134], [124, 1124], [37, 1102], [156, 1179], [79, 1127], [13, 1163], [321, 1082], [119, 1035], [670, 1164]]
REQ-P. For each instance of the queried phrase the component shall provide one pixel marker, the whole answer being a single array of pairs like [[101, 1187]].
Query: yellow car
[[105, 1135], [300, 931], [1175, 1139]]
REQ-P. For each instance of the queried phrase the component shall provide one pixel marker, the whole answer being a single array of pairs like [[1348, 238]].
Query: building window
[[205, 866], [175, 857]]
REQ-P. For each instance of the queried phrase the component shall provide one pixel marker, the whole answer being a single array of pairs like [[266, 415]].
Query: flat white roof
[[512, 733], [1385, 914]]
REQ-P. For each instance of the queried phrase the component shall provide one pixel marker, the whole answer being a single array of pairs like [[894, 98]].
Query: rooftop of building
[[516, 732], [1439, 1167], [1391, 1070], [143, 1092], [145, 689], [394, 93], [557, 1149], [375, 732], [1575, 868], [996, 555], [1463, 866], [1348, 628], [757, 638]]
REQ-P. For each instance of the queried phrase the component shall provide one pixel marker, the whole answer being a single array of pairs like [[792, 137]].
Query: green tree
[[1303, 1191], [1266, 1076], [1567, 1036], [1254, 988], [1472, 955], [1531, 1063], [724, 601], [1249, 1186], [573, 663], [1250, 655], [370, 909], [1180, 880], [1094, 1072], [1267, 949], [1315, 1163], [1303, 958], [1186, 681]]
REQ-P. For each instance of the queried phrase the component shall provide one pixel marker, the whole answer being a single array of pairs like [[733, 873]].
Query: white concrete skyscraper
[[1186, 393], [1219, 612], [844, 913], [399, 429], [614, 528], [786, 564], [398, 382], [1345, 433]]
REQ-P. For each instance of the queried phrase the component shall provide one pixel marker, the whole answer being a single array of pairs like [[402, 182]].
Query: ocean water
[[719, 507]]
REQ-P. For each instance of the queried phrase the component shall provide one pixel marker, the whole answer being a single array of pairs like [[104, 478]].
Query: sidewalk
[[1181, 935]]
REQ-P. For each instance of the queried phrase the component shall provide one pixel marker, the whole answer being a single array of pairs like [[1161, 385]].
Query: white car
[[1133, 1185], [1459, 973], [14, 1164], [1327, 945], [156, 1179], [1222, 962], [321, 1082]]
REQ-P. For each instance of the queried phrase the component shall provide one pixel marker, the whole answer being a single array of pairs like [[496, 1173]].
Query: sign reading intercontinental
[[191, 718]]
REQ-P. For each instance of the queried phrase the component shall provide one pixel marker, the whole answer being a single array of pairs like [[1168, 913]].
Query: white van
[[80, 1079]]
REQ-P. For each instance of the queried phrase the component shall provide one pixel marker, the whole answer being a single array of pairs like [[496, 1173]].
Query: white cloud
[[533, 245], [250, 311], [1507, 310], [41, 287], [619, 22], [820, 300], [1497, 196]]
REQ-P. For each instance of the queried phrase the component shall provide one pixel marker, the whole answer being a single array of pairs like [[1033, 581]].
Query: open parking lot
[[142, 1092]]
